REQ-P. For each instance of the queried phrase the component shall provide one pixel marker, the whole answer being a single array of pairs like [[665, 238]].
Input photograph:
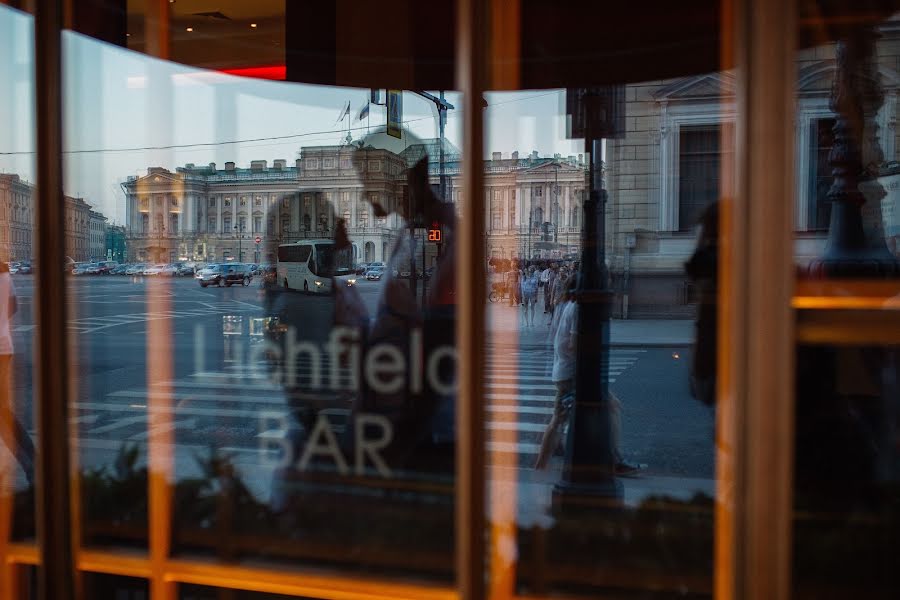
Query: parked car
[[169, 270], [210, 275], [106, 266], [154, 269], [13, 268], [374, 273], [81, 268], [361, 268], [25, 269], [118, 270], [136, 269], [184, 269]]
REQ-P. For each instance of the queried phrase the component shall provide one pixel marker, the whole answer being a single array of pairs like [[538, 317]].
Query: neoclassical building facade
[[203, 213], [17, 224], [667, 168]]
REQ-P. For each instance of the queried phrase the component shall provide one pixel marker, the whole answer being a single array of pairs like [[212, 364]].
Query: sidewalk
[[506, 325]]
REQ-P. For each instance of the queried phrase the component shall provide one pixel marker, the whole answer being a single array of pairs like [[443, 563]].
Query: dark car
[[225, 274], [374, 273], [25, 268], [106, 266]]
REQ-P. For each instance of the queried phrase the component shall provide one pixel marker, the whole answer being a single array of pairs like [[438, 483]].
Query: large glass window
[[617, 318]]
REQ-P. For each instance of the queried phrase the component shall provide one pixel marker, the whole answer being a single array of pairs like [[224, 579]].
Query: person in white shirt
[[564, 333], [563, 329], [13, 433]]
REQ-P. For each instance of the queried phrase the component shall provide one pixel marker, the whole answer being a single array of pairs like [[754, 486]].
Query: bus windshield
[[330, 262]]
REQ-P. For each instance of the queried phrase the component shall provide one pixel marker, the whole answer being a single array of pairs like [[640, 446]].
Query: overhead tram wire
[[456, 113]]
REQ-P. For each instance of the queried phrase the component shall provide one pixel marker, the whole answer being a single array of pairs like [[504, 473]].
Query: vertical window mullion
[[470, 448], [756, 344], [54, 517]]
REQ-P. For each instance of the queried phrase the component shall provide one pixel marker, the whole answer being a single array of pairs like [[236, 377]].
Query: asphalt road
[[219, 397]]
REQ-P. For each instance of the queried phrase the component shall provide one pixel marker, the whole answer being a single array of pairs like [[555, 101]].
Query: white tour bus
[[310, 265]]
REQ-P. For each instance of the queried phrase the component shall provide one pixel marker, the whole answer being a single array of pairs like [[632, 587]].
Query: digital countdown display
[[434, 235]]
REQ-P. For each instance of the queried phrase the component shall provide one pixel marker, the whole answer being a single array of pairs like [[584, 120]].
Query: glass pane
[[847, 252], [601, 360], [18, 293], [275, 327]]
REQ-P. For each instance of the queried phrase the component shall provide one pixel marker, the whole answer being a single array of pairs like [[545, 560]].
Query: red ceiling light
[[273, 72]]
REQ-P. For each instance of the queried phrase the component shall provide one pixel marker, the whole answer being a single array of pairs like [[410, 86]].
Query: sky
[[124, 112]]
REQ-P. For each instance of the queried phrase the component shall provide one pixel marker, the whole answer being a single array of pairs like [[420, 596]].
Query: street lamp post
[[239, 232]]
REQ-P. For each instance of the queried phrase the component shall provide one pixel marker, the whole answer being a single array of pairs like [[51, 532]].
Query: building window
[[226, 222], [257, 224], [346, 218], [698, 173], [364, 218], [242, 223], [538, 192], [345, 163], [327, 163], [243, 200], [285, 224], [211, 225], [821, 139], [212, 202], [227, 202], [307, 223], [160, 224], [512, 214], [257, 201], [375, 165], [312, 163], [173, 224]]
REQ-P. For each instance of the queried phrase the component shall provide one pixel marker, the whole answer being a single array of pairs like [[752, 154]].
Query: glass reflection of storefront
[[545, 300]]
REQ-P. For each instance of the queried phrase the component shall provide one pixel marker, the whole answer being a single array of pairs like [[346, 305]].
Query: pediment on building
[[818, 77], [710, 86], [550, 167], [156, 178]]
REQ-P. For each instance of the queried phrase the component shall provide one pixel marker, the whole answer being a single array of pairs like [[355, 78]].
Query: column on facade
[[504, 206]]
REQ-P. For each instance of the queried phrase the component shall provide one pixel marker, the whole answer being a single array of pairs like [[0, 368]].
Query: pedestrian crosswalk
[[520, 397], [237, 405], [88, 324]]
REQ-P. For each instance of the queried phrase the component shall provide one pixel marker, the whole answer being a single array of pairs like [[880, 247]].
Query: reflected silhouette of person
[[702, 270], [421, 330], [14, 434]]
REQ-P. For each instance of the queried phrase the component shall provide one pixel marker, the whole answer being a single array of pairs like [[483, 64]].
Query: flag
[[363, 112], [345, 112]]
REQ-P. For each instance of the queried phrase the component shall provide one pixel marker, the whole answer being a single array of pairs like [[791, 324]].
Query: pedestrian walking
[[548, 290], [14, 434], [544, 276], [562, 335], [513, 285], [529, 295], [564, 332]]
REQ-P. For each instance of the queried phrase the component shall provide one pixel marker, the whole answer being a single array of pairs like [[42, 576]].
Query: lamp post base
[[569, 498]]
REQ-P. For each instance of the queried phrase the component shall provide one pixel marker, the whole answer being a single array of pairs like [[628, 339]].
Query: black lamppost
[[856, 96], [239, 232]]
